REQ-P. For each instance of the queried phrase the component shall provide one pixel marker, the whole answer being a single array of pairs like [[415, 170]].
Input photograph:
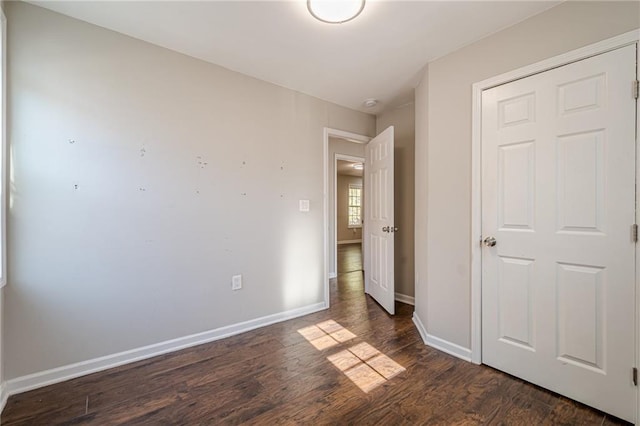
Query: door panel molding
[[604, 46], [515, 114], [378, 220]]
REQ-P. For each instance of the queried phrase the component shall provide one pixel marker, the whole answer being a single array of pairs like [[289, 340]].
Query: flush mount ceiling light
[[370, 103], [358, 166], [335, 11]]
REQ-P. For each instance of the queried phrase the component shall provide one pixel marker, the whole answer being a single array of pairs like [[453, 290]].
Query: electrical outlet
[[236, 282]]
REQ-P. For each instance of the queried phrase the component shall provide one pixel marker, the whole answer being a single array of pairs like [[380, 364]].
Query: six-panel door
[[379, 215], [558, 194]]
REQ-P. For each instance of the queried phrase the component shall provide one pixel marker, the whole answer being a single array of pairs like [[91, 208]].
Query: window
[[355, 206]]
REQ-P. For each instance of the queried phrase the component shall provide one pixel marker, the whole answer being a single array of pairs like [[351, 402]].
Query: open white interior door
[[379, 227]]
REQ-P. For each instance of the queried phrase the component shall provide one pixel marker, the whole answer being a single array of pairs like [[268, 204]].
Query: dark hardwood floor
[[351, 364], [349, 258]]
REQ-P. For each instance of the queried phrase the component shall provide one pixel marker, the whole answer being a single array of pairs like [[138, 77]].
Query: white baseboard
[[3, 396], [349, 241], [60, 374], [441, 344], [420, 327], [405, 299], [332, 275]]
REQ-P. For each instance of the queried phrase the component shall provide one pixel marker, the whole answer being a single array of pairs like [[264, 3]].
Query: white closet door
[[558, 196]]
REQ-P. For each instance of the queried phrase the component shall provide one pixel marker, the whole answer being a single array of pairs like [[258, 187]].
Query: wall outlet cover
[[304, 205]]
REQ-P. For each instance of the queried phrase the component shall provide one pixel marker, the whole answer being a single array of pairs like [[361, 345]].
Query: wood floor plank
[[568, 413], [350, 364]]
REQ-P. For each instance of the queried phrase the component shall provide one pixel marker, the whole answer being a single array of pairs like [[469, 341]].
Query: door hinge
[[634, 376], [636, 89], [634, 233]]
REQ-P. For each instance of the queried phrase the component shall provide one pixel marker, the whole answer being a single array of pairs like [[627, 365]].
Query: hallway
[[349, 258]]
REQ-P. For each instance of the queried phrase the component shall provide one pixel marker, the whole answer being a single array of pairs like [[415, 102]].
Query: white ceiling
[[345, 168], [377, 55]]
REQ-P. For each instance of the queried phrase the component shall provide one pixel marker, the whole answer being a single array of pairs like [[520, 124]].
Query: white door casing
[[379, 226], [558, 194]]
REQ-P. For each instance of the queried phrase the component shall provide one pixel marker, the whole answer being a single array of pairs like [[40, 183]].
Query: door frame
[[631, 37], [352, 137], [353, 159]]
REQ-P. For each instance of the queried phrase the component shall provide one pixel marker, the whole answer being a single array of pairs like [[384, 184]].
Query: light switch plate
[[236, 282], [304, 205]]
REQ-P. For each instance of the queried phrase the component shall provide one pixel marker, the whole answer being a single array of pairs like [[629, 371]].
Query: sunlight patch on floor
[[326, 334], [363, 364]]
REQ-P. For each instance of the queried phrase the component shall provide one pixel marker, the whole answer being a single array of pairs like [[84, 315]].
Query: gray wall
[[420, 198], [180, 174], [443, 115], [2, 338], [403, 120], [2, 323]]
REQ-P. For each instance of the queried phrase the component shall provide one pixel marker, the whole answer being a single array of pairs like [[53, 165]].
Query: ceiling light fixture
[[335, 11], [370, 103], [358, 166]]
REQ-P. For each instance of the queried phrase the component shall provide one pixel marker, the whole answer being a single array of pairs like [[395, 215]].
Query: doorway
[[378, 240], [350, 147], [348, 213]]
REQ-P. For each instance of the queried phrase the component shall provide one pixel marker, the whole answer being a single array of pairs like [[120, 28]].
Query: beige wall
[[180, 175], [2, 333], [443, 114], [420, 190], [344, 147], [344, 232], [403, 120]]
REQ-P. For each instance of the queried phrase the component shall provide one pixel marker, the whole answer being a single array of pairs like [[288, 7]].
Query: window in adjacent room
[[355, 205]]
